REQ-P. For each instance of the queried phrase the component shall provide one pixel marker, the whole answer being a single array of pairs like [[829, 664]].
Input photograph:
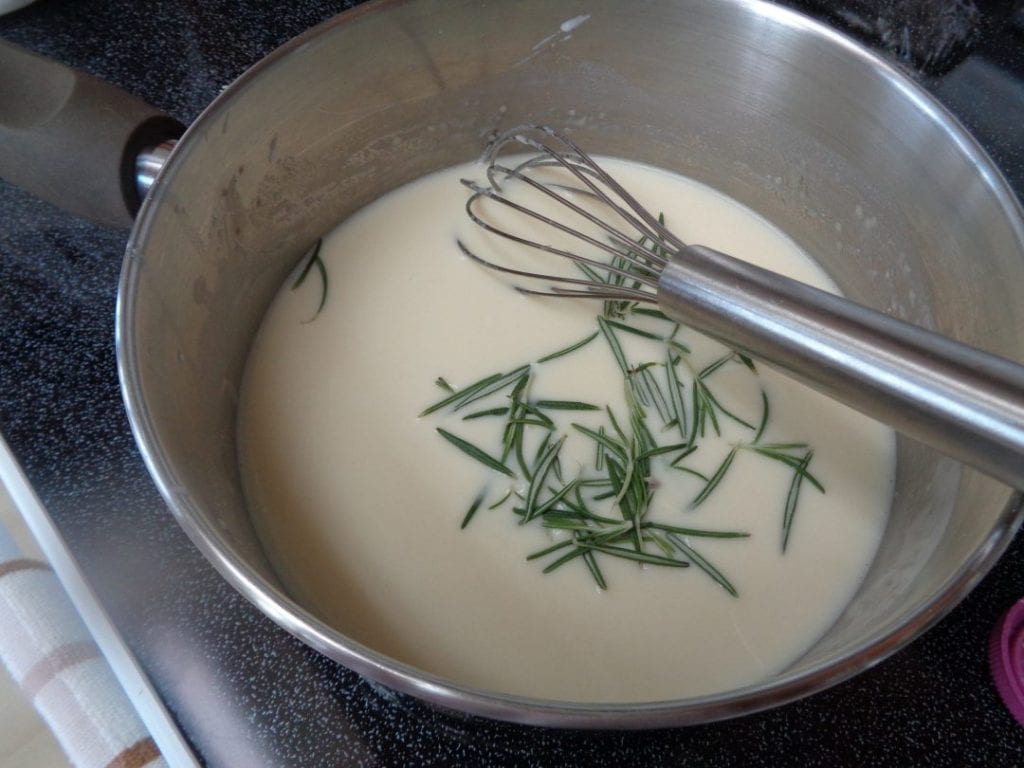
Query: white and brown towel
[[52, 656]]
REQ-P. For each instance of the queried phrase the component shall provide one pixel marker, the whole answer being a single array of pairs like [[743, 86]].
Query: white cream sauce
[[358, 500]]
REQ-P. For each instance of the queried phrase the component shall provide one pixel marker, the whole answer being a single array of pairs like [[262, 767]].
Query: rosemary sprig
[[783, 452], [604, 511], [472, 510], [566, 405], [520, 376], [458, 395], [477, 390], [542, 468], [500, 411]]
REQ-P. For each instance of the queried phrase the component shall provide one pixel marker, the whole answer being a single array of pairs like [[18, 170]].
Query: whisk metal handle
[[964, 402]]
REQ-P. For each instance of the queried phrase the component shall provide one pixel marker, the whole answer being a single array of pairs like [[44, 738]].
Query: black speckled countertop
[[244, 692]]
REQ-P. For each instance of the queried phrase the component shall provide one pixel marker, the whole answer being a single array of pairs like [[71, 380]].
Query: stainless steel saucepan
[[837, 148]]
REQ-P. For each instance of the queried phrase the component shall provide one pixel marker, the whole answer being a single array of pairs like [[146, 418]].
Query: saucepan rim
[[297, 620]]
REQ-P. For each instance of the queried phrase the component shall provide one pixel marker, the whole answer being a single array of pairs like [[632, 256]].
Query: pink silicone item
[[1006, 656]]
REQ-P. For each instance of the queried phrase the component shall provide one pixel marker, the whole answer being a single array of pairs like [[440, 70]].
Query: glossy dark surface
[[244, 692]]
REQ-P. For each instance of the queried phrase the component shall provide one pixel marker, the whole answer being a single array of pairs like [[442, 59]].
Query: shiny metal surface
[[148, 165], [957, 399], [850, 158]]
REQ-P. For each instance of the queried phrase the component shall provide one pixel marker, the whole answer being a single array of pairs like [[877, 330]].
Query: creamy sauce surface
[[358, 500]]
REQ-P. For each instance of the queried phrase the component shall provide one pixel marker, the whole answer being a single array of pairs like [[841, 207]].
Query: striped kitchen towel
[[50, 653]]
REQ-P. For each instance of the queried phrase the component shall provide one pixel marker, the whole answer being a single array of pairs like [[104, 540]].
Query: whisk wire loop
[[491, 194], [574, 161], [633, 249], [640, 246]]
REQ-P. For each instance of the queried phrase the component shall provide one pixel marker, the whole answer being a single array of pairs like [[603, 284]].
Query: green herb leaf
[[311, 256], [640, 557], [690, 449], [675, 395], [577, 552], [623, 476], [472, 510], [679, 346], [489, 412], [566, 405], [471, 450], [656, 395], [702, 532], [703, 564], [540, 474], [661, 450], [690, 471], [613, 343], [314, 260], [792, 497], [796, 463], [548, 550], [570, 349], [602, 439], [521, 376], [715, 479], [711, 368], [461, 394], [634, 330], [595, 571], [655, 313], [764, 416], [502, 500]]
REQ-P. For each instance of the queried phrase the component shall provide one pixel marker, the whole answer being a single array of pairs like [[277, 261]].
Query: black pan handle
[[73, 139]]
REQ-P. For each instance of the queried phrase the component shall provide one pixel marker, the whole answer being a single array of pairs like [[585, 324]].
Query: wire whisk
[[965, 402], [638, 245]]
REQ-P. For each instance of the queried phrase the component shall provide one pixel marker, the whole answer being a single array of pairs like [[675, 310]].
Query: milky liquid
[[358, 500]]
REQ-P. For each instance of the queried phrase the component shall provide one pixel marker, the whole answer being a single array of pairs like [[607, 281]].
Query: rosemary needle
[[311, 256], [570, 349], [461, 394], [470, 449], [702, 563], [635, 331], [792, 497], [489, 412], [540, 475], [613, 342], [313, 260], [715, 479], [472, 510], [566, 405]]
